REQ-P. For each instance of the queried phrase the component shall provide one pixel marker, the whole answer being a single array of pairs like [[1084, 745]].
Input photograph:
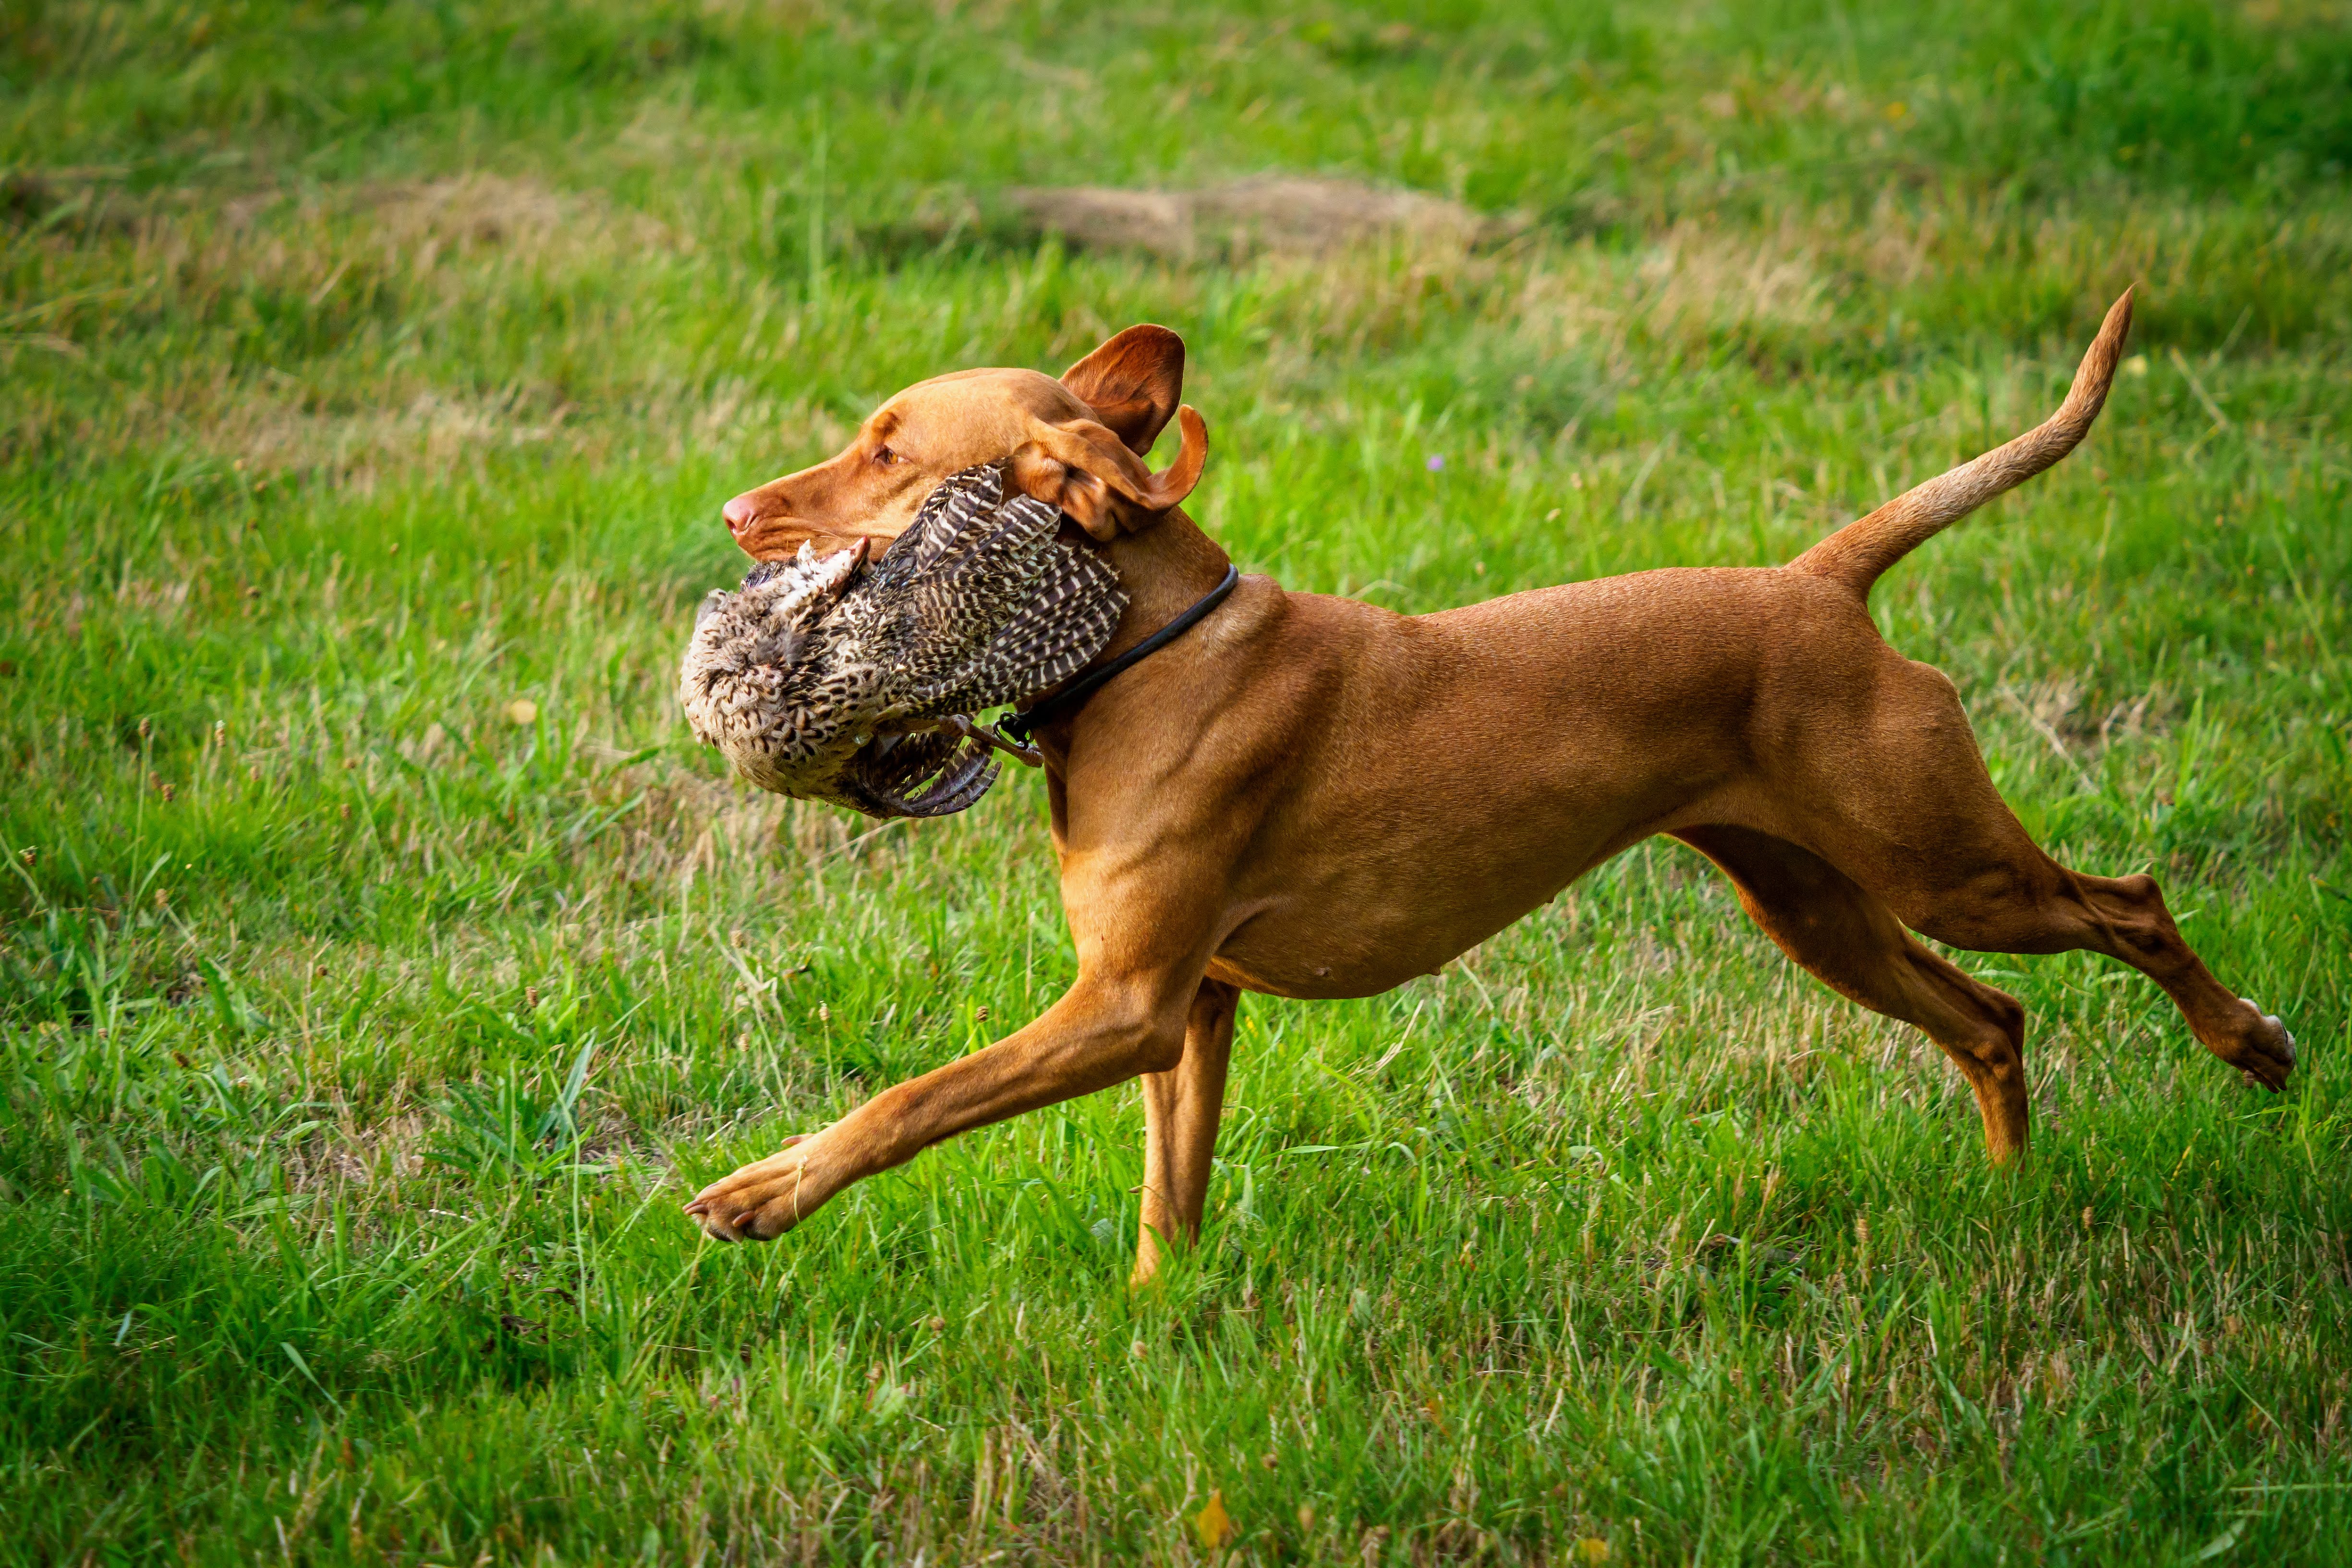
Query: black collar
[[1019, 727]]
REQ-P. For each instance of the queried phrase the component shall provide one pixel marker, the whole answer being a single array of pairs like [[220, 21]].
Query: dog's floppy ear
[[1132, 384], [1084, 468]]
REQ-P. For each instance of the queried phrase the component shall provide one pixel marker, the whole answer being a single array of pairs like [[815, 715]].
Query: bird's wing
[[951, 514], [1069, 613], [982, 579]]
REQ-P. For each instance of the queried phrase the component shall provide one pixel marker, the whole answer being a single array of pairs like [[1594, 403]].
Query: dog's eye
[[883, 456]]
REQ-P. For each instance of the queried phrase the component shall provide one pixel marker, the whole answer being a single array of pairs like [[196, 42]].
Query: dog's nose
[[738, 513]]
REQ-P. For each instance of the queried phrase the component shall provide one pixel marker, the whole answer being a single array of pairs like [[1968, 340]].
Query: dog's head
[[1077, 443]]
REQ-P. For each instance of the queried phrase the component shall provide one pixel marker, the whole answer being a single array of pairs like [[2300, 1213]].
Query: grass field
[[383, 965]]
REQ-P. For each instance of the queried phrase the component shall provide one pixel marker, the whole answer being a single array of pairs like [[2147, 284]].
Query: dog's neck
[[1165, 569]]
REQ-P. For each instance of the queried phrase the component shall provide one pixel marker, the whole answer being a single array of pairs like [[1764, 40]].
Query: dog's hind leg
[[1932, 839], [2047, 908], [1837, 929], [1180, 1110]]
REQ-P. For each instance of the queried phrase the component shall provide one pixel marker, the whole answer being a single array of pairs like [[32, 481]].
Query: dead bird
[[858, 684]]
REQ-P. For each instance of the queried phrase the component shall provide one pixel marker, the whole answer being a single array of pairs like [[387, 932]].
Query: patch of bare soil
[[1280, 213], [468, 211]]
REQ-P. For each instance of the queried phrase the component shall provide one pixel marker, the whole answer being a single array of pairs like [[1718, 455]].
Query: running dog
[[1310, 797]]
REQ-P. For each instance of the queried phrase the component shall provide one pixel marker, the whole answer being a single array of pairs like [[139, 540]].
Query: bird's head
[[1077, 443]]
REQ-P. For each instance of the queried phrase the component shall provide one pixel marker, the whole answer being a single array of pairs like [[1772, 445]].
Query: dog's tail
[[1856, 553]]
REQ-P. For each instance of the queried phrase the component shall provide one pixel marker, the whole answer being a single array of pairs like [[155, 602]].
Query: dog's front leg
[[1180, 1110], [1105, 1030]]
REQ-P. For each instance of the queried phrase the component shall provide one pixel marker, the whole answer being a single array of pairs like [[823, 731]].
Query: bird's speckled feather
[[817, 677]]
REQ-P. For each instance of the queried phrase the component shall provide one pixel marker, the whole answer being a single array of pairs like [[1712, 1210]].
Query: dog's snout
[[740, 511]]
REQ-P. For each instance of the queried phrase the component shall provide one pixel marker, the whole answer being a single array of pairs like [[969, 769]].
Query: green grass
[[365, 373]]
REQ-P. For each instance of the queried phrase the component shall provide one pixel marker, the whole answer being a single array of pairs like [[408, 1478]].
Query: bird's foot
[[1029, 756]]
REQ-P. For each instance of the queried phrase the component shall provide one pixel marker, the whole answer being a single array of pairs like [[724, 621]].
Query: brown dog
[[1314, 797]]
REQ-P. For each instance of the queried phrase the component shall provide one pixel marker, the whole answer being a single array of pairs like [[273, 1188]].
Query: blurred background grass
[[382, 967]]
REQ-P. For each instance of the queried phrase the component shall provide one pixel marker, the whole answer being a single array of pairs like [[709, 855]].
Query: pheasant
[[858, 683]]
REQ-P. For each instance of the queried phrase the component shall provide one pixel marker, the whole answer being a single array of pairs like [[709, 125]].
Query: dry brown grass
[[1285, 214]]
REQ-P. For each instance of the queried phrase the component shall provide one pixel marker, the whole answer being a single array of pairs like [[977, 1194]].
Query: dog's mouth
[[823, 547], [781, 538]]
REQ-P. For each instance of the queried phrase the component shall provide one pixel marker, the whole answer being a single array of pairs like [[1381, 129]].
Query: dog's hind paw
[[2266, 1051]]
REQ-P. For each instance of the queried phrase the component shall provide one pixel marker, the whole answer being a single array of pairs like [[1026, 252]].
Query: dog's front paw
[[2266, 1051], [763, 1199]]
